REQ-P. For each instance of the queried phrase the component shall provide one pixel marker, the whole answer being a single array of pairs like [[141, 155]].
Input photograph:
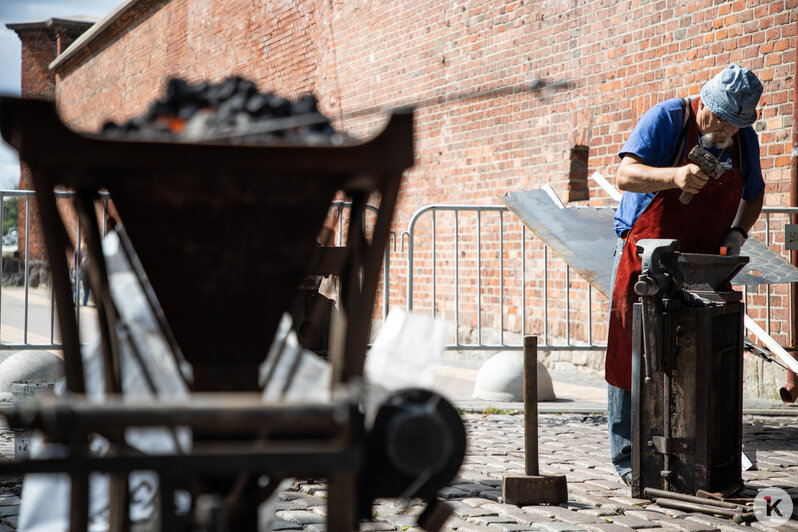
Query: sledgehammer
[[532, 488]]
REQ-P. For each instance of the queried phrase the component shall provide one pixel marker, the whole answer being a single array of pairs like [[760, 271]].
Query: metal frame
[[139, 174]]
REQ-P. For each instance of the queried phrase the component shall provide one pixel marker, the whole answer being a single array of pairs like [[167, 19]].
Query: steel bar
[[434, 264], [479, 277], [56, 243], [523, 280], [501, 277], [456, 281], [567, 304], [98, 276], [767, 286], [654, 493], [677, 504], [290, 459], [27, 269], [218, 413]]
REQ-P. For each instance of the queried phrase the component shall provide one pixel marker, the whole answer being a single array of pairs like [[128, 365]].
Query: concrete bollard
[[22, 391], [532, 488]]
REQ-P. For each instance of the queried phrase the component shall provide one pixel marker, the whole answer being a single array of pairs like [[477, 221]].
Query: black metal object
[[220, 238], [686, 373], [415, 448]]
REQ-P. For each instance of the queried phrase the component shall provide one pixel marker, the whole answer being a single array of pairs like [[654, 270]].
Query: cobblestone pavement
[[576, 446], [571, 444]]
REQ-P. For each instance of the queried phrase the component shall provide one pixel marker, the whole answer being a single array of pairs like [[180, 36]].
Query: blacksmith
[[653, 173]]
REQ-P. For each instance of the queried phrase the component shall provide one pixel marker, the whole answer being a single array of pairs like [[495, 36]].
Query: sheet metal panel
[[584, 238]]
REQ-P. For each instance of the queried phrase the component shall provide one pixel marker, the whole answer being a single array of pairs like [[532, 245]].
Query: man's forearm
[[748, 213], [636, 176], [641, 178]]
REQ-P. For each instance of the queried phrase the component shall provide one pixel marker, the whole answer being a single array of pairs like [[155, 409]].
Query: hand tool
[[708, 163]]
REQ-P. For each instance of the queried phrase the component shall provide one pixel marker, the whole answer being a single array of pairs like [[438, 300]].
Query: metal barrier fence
[[596, 317], [43, 334], [533, 262]]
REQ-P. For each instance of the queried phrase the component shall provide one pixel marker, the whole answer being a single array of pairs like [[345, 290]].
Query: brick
[[357, 57]]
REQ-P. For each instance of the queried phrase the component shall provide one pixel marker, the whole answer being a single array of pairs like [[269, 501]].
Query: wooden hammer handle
[[686, 197]]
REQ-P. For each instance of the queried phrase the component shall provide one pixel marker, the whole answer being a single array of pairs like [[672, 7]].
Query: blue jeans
[[619, 422], [619, 405]]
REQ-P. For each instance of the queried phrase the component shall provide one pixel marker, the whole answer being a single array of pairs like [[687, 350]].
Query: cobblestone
[[571, 444]]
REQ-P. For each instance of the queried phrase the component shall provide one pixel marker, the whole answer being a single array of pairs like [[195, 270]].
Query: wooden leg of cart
[[118, 503], [79, 502], [342, 502]]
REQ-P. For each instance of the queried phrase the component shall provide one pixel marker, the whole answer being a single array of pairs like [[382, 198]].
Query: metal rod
[[27, 269], [386, 269], [76, 275], [479, 277], [653, 493], [210, 412], [501, 277], [589, 314], [456, 280], [523, 280], [767, 286], [531, 406], [567, 304], [434, 274], [695, 507]]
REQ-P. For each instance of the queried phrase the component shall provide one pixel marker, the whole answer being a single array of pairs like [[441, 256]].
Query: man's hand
[[732, 243], [636, 176], [690, 178]]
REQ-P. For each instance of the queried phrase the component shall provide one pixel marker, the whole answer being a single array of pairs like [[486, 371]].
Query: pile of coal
[[231, 111]]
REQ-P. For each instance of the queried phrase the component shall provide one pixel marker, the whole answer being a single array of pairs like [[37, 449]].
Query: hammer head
[[708, 163]]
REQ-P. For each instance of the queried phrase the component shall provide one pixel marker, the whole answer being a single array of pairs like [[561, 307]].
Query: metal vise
[[659, 278]]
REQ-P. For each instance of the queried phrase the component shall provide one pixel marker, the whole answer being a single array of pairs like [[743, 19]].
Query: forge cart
[[218, 238]]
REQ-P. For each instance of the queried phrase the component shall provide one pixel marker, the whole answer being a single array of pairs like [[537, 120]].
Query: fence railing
[[471, 264], [33, 324], [592, 317]]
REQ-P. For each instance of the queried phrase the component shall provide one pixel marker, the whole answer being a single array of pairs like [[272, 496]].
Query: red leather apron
[[699, 227]]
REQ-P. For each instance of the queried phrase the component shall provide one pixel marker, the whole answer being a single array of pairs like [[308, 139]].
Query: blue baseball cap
[[733, 95]]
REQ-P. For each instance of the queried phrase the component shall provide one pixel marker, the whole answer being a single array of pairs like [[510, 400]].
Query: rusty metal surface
[[223, 236], [224, 233], [584, 238]]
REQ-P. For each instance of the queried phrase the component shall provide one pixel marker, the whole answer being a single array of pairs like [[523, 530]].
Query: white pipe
[[771, 344], [613, 192], [553, 195]]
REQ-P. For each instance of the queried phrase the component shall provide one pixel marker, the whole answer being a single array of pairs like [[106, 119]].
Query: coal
[[230, 111]]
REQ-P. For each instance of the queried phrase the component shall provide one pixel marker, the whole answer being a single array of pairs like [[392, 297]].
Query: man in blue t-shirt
[[653, 173], [652, 143]]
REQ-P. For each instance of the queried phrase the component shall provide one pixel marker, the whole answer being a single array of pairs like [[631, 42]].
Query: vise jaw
[[659, 277], [659, 271]]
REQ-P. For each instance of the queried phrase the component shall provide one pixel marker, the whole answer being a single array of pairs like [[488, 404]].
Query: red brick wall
[[40, 45], [597, 65]]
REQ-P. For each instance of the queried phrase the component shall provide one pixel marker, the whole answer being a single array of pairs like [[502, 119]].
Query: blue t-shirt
[[654, 139]]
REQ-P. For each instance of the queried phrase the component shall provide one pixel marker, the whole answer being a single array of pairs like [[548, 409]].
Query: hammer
[[708, 163]]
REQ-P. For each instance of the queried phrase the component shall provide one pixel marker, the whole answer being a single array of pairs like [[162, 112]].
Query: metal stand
[[532, 488], [686, 373]]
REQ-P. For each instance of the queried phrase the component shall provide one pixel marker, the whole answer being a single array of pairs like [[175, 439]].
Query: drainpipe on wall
[[789, 392]]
